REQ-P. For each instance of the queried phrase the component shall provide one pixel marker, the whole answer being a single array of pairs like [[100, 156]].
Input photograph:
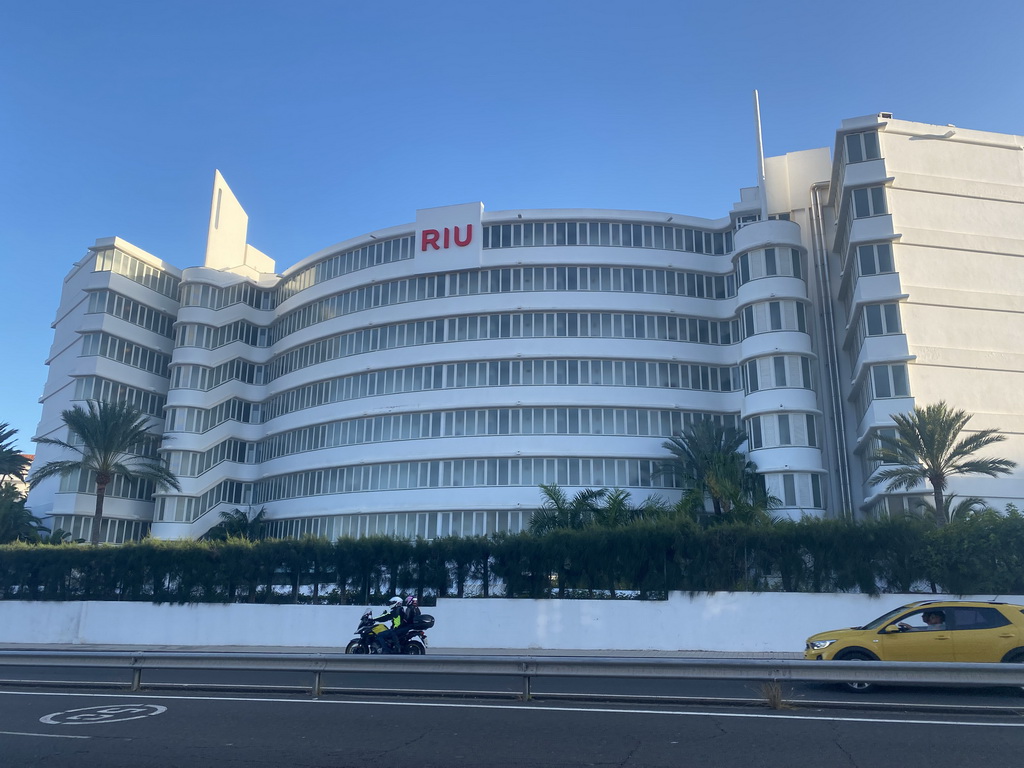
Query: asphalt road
[[103, 729], [186, 720]]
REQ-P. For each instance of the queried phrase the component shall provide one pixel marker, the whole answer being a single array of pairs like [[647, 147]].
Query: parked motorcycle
[[412, 637]]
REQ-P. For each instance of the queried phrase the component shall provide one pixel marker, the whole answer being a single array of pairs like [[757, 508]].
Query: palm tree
[[13, 463], [17, 523], [956, 509], [239, 524], [112, 440], [559, 511], [708, 463], [928, 447]]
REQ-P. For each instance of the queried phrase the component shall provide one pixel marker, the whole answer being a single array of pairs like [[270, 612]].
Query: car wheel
[[1016, 658], [857, 687]]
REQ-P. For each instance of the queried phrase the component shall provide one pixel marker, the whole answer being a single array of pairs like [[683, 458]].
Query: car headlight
[[818, 645]]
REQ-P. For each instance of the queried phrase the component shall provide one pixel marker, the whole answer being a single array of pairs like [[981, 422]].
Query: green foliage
[[707, 462], [17, 523], [981, 554], [928, 448], [13, 462], [239, 524], [111, 440]]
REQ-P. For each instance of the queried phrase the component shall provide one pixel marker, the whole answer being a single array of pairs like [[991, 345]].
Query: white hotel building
[[423, 380]]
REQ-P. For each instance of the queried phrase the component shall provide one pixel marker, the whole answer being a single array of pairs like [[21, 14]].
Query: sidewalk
[[680, 654]]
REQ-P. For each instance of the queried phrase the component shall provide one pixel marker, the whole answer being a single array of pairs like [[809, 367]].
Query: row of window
[[491, 373], [506, 280], [185, 509], [605, 325], [213, 337], [118, 488], [199, 420], [778, 371], [364, 257], [765, 316], [611, 233], [757, 318], [471, 282], [217, 297], [122, 351], [114, 260], [405, 525], [779, 429], [796, 490], [205, 378], [504, 373], [460, 423], [131, 311], [485, 421], [107, 391], [112, 530], [865, 202], [411, 475], [769, 262], [195, 463]]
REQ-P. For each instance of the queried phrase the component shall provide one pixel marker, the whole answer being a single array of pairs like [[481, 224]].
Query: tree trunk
[[940, 506], [101, 492]]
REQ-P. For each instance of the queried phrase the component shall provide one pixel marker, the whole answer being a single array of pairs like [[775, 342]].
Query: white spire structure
[[760, 159]]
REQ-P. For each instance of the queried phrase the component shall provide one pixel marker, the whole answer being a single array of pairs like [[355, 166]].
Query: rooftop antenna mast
[[760, 159]]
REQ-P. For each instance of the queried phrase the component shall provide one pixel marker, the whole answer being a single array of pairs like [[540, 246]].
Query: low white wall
[[724, 621]]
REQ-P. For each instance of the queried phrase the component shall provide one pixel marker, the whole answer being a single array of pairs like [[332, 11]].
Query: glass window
[[875, 259], [862, 146], [869, 201]]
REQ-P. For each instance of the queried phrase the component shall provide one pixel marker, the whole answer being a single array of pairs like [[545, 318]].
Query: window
[[977, 618], [890, 381], [862, 146], [881, 319], [874, 259], [869, 201]]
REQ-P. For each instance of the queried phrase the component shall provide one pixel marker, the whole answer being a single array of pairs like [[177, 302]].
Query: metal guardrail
[[527, 668]]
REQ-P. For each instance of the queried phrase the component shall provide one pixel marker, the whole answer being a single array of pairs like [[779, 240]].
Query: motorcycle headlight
[[818, 645]]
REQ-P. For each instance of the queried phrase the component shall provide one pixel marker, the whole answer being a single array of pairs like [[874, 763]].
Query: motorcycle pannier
[[423, 621]]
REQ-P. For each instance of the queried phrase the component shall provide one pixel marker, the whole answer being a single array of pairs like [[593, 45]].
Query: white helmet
[[394, 602]]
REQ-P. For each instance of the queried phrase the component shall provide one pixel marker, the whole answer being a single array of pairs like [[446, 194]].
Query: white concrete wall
[[739, 622]]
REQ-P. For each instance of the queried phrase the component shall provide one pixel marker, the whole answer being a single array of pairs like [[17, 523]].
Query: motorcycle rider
[[391, 620], [411, 611]]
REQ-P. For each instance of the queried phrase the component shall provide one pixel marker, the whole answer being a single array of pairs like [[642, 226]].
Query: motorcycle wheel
[[415, 649], [356, 646]]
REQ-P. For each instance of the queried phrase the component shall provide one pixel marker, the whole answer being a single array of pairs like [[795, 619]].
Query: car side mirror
[[891, 629]]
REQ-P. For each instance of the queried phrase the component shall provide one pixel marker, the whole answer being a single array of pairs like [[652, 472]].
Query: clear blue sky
[[332, 119]]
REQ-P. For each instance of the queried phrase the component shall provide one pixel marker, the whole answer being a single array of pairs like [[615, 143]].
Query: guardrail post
[[317, 683], [137, 678], [526, 686]]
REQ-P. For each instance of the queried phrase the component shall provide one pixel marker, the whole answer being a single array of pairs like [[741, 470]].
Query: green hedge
[[981, 555]]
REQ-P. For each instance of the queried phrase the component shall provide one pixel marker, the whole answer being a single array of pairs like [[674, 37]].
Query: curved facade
[[425, 379]]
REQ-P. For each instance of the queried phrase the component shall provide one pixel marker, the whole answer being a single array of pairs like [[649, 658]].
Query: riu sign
[[440, 239]]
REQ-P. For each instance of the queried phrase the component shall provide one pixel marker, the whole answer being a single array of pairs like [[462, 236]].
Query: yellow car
[[928, 631]]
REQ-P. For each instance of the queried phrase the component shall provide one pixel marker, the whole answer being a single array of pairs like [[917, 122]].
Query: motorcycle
[[412, 637]]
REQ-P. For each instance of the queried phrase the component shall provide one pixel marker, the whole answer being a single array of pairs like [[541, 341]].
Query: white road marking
[[109, 713], [43, 735], [532, 708]]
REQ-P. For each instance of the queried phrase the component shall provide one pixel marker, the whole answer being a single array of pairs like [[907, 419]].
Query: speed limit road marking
[[111, 713]]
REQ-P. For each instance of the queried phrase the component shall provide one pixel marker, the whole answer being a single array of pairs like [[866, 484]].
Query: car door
[[982, 634], [918, 643]]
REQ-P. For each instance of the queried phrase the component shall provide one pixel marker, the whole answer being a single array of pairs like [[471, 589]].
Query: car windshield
[[886, 618]]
